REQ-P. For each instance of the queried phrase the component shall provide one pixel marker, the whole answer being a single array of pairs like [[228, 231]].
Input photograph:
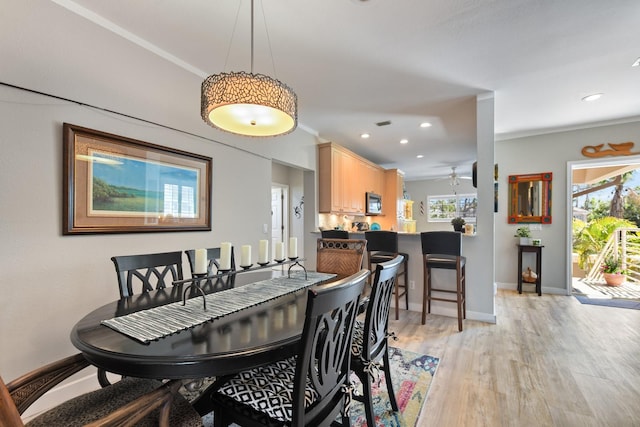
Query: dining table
[[137, 336]]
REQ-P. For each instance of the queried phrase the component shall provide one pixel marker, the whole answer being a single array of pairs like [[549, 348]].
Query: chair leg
[[406, 284], [368, 399], [387, 378], [396, 291], [424, 292], [459, 299]]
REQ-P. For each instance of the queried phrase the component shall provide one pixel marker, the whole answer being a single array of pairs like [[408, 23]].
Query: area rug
[[412, 375], [610, 302]]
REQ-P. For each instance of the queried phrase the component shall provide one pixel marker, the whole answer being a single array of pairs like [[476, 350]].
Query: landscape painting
[[125, 185], [117, 185]]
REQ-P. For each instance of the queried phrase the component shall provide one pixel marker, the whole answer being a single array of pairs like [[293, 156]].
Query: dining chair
[[368, 355], [382, 246], [311, 387], [213, 267], [130, 401], [340, 256], [334, 234], [442, 249], [147, 271]]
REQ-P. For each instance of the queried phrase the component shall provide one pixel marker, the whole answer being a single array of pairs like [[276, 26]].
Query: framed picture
[[114, 184]]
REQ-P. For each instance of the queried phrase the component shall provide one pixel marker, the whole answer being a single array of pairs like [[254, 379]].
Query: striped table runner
[[155, 323]]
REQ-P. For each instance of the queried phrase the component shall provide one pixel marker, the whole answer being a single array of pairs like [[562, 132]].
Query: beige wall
[[547, 153], [49, 281]]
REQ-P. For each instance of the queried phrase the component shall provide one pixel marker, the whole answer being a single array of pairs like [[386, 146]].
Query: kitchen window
[[443, 208]]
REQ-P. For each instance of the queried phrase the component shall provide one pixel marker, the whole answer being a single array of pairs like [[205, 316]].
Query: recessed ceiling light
[[636, 63], [404, 141], [419, 156], [592, 97], [425, 125], [365, 136]]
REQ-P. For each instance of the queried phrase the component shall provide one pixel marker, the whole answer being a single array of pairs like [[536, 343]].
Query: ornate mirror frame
[[540, 204]]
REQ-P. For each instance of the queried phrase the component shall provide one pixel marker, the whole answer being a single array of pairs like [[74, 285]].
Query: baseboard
[[441, 309], [529, 287]]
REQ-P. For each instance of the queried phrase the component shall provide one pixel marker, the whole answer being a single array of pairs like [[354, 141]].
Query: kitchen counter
[[410, 244]]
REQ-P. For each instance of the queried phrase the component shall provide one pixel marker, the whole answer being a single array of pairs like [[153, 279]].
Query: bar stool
[[442, 249], [334, 234], [382, 246]]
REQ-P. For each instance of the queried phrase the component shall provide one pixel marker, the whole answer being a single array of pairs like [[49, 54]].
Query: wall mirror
[[530, 198]]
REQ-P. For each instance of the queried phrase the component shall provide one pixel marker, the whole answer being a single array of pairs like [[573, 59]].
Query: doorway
[[589, 172], [279, 214]]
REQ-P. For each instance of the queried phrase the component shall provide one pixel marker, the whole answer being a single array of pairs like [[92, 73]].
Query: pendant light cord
[[251, 36]]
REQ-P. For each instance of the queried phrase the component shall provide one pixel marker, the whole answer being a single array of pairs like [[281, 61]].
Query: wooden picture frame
[[114, 184]]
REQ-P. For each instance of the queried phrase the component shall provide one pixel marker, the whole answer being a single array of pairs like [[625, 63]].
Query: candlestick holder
[[279, 261], [262, 264], [246, 267], [198, 277], [299, 265], [223, 270]]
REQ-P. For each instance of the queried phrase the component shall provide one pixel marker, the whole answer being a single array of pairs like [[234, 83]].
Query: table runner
[[158, 322]]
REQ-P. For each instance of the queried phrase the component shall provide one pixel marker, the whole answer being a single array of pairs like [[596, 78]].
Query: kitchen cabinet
[[343, 178]]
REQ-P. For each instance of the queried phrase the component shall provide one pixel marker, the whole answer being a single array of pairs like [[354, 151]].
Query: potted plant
[[612, 271], [458, 223], [524, 233]]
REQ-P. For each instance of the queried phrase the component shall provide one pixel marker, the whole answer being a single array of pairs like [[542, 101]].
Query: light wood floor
[[549, 361]]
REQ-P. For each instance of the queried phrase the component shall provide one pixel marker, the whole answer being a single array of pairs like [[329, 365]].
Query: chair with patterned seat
[[340, 256], [308, 389], [131, 401], [368, 355], [382, 246]]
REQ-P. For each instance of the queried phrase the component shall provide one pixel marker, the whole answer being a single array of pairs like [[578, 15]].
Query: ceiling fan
[[454, 178]]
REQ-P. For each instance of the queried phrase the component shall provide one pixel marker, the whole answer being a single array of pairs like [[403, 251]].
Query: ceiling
[[353, 63]]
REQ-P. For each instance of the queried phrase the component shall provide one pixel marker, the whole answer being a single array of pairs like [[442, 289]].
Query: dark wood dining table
[[250, 337]]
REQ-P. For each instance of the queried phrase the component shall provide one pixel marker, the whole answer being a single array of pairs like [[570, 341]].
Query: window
[[444, 208]]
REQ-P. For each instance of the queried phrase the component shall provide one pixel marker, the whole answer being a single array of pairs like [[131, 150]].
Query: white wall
[[49, 281], [478, 249], [547, 153], [420, 190]]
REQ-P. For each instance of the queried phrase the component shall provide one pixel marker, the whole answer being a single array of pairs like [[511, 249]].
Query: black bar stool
[[442, 249], [382, 246], [334, 234]]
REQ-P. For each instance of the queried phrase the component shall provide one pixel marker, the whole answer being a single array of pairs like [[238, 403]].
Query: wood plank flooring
[[549, 361]]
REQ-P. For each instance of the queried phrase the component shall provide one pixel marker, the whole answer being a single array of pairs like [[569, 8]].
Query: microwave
[[373, 204]]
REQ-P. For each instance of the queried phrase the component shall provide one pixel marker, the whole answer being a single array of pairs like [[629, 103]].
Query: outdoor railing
[[625, 244]]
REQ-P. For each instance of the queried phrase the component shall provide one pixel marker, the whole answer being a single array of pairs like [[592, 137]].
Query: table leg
[[519, 270]]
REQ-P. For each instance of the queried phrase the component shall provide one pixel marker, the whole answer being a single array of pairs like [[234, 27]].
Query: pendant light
[[249, 104]]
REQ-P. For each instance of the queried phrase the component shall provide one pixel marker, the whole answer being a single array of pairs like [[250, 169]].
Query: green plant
[[590, 238], [523, 232], [458, 221], [612, 265]]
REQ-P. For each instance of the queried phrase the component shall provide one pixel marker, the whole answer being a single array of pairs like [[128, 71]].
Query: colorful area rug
[[412, 375]]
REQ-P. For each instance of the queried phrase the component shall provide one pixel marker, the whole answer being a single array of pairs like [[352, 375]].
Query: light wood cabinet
[[343, 179]]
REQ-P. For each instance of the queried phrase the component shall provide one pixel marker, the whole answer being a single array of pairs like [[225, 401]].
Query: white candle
[[245, 258], [201, 262], [225, 256], [263, 252], [279, 251], [293, 247]]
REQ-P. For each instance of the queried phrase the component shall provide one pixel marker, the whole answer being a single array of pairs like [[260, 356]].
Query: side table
[[538, 251]]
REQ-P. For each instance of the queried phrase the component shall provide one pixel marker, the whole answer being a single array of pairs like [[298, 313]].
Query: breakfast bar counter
[[410, 243]]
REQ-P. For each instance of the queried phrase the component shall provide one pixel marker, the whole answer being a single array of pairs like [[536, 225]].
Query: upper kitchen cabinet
[[343, 179]]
